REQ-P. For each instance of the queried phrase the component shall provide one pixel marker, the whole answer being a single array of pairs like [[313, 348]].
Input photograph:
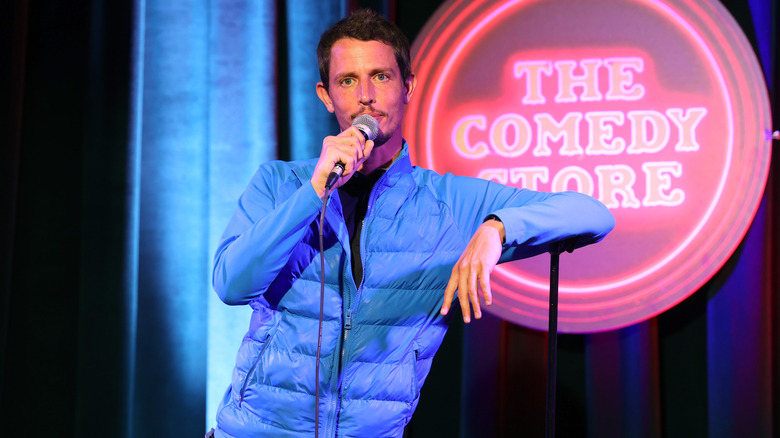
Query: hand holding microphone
[[369, 127], [344, 153]]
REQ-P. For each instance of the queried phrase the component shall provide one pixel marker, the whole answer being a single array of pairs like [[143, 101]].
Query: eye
[[347, 82], [381, 77]]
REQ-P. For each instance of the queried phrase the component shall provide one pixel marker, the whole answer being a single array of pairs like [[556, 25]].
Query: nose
[[367, 93]]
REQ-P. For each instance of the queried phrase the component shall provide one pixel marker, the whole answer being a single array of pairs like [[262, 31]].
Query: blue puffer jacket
[[379, 339]]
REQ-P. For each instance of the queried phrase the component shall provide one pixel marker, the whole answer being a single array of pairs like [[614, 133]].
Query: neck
[[382, 156]]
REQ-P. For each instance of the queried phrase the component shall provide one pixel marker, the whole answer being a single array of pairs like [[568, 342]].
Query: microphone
[[370, 129]]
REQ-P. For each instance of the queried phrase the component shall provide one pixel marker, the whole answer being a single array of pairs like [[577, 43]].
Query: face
[[365, 79]]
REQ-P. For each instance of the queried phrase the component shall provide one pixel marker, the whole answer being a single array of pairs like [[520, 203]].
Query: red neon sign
[[656, 107]]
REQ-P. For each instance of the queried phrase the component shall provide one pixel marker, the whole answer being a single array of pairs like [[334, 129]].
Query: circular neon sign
[[656, 107]]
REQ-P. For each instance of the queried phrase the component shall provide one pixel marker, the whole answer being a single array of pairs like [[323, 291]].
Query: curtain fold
[[244, 132], [13, 30], [738, 334], [302, 112], [173, 263], [40, 340], [107, 293]]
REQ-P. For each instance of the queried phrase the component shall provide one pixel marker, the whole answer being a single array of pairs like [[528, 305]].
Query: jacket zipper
[[363, 232], [350, 304], [335, 401], [252, 369]]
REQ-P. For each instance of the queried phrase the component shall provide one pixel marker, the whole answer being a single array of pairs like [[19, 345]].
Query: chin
[[380, 140]]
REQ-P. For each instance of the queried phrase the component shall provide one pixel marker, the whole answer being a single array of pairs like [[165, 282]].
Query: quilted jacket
[[378, 339]]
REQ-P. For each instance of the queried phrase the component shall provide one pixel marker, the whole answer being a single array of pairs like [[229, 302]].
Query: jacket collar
[[400, 167], [399, 177]]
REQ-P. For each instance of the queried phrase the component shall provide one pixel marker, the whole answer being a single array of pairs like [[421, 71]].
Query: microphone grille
[[367, 125]]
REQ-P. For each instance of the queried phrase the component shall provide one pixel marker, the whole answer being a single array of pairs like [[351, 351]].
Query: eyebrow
[[348, 74]]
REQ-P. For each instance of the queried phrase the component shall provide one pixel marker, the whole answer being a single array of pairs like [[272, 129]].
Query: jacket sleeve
[[533, 221], [549, 218], [262, 234]]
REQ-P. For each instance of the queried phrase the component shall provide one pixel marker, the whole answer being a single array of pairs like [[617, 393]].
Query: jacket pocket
[[415, 382], [252, 368]]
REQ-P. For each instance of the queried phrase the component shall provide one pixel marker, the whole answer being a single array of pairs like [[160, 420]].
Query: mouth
[[375, 114]]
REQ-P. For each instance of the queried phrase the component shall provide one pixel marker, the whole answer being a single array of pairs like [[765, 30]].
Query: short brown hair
[[364, 25]]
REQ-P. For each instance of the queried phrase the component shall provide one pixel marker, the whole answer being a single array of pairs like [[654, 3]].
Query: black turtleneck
[[354, 204]]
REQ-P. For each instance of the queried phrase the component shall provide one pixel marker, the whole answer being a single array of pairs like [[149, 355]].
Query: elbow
[[607, 220], [602, 221], [226, 297], [595, 219], [229, 297], [610, 223], [225, 289]]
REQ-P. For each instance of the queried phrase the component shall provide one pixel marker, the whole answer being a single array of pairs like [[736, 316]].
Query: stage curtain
[[133, 128]]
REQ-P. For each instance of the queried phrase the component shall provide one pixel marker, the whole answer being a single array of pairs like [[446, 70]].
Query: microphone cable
[[319, 329]]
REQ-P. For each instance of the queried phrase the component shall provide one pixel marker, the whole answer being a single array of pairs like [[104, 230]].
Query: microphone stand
[[552, 331]]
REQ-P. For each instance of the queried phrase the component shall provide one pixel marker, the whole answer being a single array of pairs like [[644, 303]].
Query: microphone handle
[[334, 175], [338, 168]]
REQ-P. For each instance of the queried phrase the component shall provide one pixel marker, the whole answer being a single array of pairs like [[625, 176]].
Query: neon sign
[[655, 107]]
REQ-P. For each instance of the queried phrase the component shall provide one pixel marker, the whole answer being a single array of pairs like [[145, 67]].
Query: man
[[399, 243]]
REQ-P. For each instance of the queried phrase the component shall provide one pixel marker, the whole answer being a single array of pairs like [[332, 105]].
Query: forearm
[[531, 228]]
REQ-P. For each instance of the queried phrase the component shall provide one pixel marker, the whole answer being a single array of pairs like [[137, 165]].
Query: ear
[[410, 83], [322, 93]]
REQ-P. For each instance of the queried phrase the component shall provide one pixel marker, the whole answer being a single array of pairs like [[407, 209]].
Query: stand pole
[[552, 345]]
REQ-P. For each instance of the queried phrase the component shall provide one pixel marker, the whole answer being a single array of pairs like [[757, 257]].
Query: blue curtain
[[133, 126], [227, 85]]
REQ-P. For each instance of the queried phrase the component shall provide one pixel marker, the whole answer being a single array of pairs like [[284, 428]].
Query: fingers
[[464, 281], [449, 292], [367, 149], [467, 292], [484, 284], [472, 272], [472, 295], [349, 148]]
